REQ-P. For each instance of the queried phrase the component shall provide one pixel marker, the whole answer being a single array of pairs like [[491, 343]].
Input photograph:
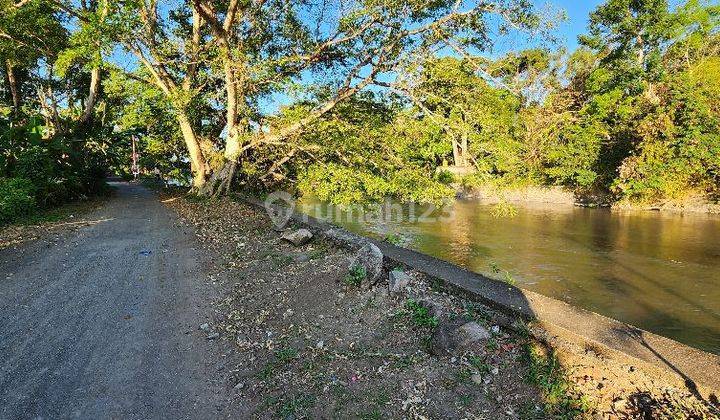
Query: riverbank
[[307, 343], [538, 196]]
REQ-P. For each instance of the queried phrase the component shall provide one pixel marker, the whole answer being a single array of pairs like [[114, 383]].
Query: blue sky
[[578, 12]]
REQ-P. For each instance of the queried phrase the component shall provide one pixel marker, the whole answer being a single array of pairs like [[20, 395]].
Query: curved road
[[102, 321]]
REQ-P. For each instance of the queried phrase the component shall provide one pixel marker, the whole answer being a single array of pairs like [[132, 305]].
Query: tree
[[254, 49], [29, 31]]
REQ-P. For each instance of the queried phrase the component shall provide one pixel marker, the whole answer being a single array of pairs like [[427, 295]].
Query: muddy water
[[660, 272]]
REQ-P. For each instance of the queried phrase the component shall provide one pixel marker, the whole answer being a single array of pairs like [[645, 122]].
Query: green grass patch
[[296, 406], [286, 354], [420, 315], [561, 399], [356, 276], [394, 239]]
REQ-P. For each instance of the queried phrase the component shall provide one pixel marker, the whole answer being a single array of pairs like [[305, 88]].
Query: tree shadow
[[638, 336]]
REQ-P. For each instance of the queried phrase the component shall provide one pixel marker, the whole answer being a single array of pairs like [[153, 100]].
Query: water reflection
[[657, 271]]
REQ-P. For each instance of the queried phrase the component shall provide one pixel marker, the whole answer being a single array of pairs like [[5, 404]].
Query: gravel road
[[102, 321]]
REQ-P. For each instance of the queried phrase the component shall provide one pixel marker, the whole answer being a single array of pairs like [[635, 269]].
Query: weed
[[479, 363], [465, 400], [342, 396], [530, 411], [319, 251], [283, 356], [463, 375], [267, 372], [375, 414], [356, 276], [437, 285], [546, 372], [420, 315], [286, 354], [382, 397], [276, 259], [394, 239], [504, 209], [477, 312], [404, 362], [492, 344], [295, 406], [509, 279]]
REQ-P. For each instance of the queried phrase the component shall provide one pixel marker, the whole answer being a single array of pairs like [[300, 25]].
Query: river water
[[659, 272]]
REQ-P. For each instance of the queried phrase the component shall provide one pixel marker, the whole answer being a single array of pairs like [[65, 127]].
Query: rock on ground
[[345, 239], [454, 335], [298, 237], [370, 258], [398, 280]]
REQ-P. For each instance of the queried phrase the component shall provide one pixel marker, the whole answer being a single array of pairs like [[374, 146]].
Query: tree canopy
[[375, 98]]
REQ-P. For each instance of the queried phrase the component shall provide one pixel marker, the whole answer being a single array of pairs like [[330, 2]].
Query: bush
[[17, 199], [39, 172], [344, 185], [444, 177]]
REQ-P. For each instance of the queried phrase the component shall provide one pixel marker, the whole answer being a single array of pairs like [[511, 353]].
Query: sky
[[578, 12]]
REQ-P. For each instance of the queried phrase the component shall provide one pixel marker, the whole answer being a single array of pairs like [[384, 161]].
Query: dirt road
[[102, 321]]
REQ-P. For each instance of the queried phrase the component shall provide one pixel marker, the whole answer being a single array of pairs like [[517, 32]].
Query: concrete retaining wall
[[694, 367]]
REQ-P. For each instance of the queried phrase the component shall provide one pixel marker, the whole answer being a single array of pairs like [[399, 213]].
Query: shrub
[[444, 177], [17, 199], [341, 184]]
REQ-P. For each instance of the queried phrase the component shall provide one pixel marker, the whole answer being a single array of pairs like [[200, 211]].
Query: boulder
[[397, 280], [345, 239], [369, 258], [454, 335], [298, 237], [434, 308]]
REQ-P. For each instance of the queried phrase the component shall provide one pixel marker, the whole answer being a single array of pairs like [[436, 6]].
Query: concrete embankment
[[698, 370]]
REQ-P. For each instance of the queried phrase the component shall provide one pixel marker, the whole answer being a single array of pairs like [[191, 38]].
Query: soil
[[308, 344]]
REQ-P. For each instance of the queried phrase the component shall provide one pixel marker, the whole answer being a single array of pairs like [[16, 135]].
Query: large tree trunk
[[220, 180], [457, 153], [14, 91], [198, 163], [232, 142], [222, 177], [92, 96], [464, 150]]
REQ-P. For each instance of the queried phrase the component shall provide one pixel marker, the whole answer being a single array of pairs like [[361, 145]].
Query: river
[[659, 272]]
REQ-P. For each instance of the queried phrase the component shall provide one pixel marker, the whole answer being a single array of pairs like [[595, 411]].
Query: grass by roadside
[[70, 215]]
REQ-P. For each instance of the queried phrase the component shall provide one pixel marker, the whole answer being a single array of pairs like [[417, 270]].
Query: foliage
[[420, 315], [355, 276], [375, 101], [17, 199], [39, 173]]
